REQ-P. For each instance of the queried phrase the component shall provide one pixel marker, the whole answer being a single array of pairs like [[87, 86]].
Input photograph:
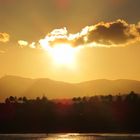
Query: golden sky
[[70, 40]]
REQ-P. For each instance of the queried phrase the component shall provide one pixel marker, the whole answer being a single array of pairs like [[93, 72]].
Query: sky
[[101, 38]]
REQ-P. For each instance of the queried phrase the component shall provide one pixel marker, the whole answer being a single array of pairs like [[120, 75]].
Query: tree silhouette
[[118, 113]]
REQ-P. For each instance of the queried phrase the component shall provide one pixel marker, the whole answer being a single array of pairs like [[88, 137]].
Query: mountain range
[[32, 88]]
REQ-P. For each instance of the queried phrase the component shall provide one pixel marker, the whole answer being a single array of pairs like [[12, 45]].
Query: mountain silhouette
[[32, 88]]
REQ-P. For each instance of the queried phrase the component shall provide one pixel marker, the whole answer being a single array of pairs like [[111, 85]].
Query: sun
[[63, 54]]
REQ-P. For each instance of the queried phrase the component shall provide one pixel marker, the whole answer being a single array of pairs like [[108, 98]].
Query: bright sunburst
[[63, 54], [60, 47]]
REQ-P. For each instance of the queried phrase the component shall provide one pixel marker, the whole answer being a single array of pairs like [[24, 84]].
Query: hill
[[19, 86]]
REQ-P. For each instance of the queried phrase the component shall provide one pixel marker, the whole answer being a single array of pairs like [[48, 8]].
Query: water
[[70, 136]]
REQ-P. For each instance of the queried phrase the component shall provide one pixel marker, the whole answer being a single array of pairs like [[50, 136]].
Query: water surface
[[70, 136]]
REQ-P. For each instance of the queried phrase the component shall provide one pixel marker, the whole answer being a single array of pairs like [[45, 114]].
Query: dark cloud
[[78, 41], [113, 33], [109, 34], [59, 41]]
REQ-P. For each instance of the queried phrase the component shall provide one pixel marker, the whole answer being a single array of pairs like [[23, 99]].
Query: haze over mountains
[[19, 86]]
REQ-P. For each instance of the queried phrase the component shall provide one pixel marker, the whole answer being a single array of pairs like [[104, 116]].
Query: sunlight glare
[[63, 54]]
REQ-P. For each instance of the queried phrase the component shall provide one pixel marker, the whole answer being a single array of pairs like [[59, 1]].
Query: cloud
[[32, 45], [4, 37], [23, 43], [56, 36], [61, 36], [138, 27], [109, 34], [104, 34], [113, 33]]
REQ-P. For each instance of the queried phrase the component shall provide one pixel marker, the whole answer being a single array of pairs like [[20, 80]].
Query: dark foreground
[[103, 114], [72, 136]]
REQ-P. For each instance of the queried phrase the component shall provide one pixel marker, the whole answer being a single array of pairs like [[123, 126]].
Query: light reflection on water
[[70, 136]]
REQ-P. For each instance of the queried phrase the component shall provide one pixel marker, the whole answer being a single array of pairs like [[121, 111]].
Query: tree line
[[118, 113]]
